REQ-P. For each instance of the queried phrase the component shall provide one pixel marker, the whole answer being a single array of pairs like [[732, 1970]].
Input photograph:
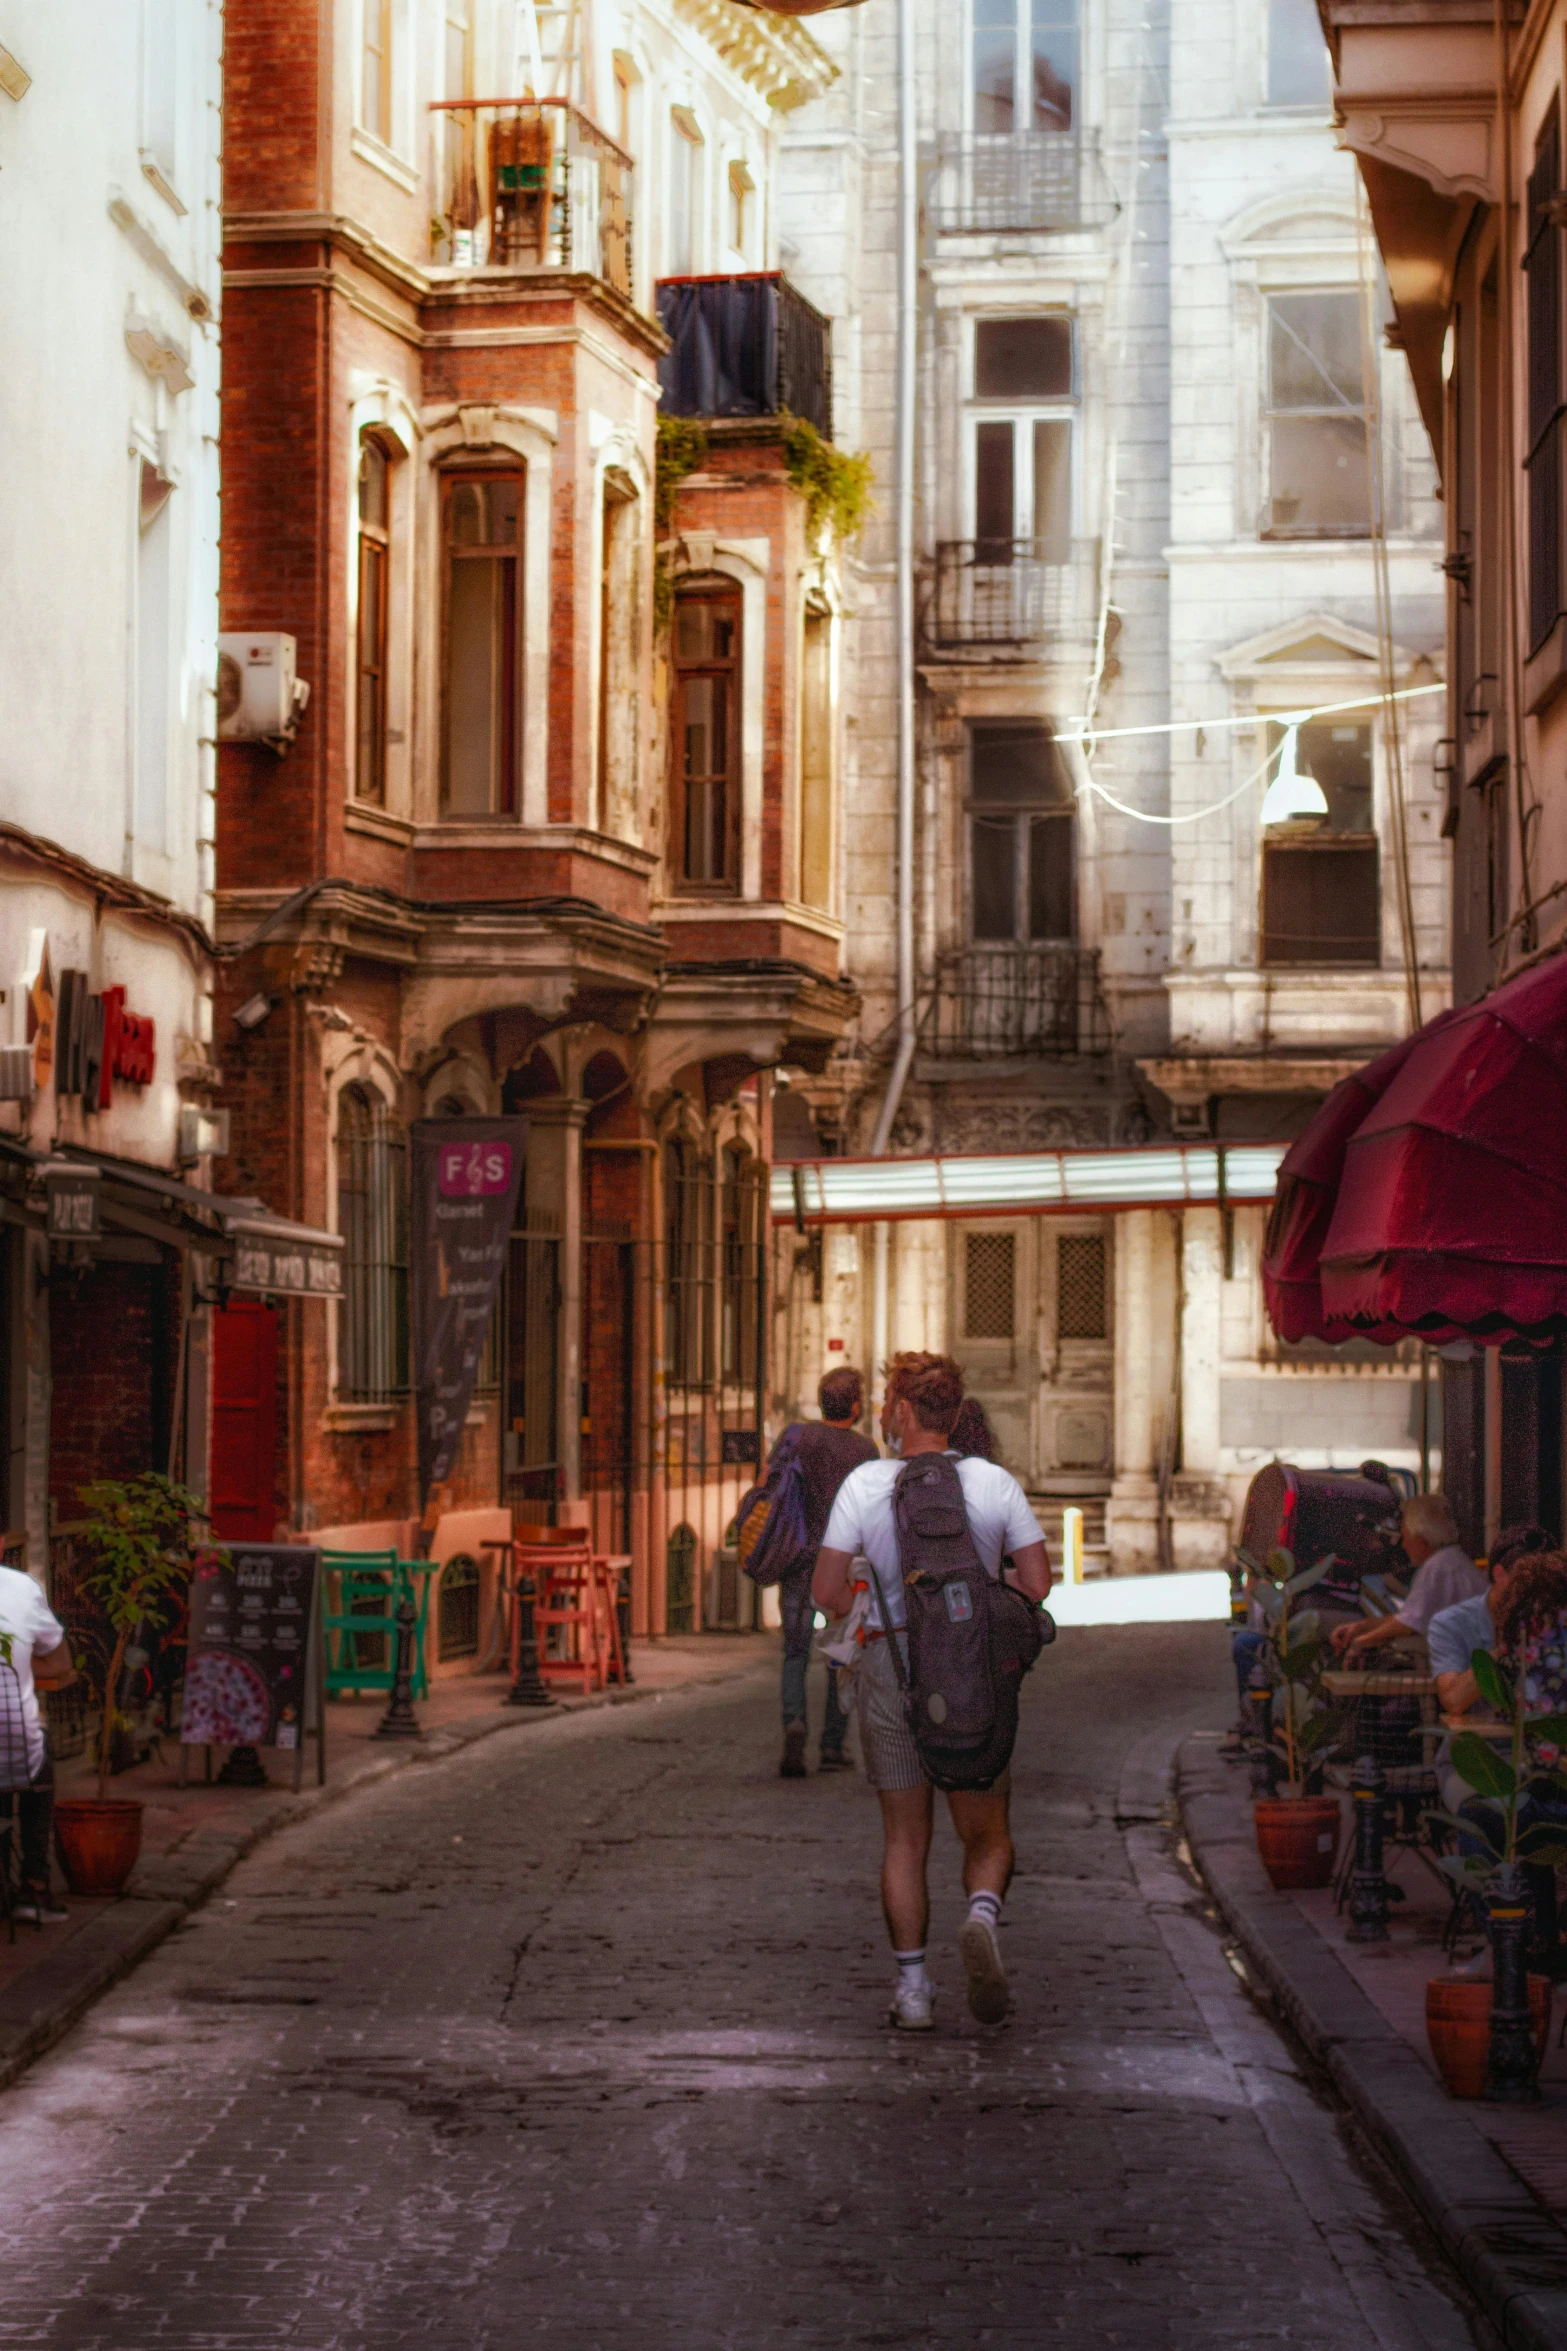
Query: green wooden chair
[[363, 1592]]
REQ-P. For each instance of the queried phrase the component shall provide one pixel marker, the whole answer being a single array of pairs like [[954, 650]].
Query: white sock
[[987, 1907], [911, 1965]]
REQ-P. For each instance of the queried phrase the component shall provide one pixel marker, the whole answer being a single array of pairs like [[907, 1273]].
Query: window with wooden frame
[[481, 731], [1024, 65], [704, 850], [1319, 467], [372, 1216], [375, 561], [1321, 882], [1022, 835], [375, 70], [1543, 463]]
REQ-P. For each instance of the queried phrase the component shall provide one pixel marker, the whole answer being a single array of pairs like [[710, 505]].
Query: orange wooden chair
[[561, 1564]]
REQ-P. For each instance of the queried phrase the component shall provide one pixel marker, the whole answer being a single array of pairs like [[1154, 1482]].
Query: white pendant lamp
[[1294, 793]]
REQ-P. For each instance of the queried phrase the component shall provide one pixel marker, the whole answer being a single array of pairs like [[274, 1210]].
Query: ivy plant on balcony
[[835, 484]]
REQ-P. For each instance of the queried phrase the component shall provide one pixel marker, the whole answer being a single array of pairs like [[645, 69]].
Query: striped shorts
[[891, 1759]]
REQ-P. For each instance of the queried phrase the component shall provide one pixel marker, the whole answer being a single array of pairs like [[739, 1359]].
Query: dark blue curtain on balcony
[[723, 355], [743, 346]]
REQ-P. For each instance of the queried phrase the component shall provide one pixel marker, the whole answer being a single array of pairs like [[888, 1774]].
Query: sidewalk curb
[[1510, 2252], [164, 1893]]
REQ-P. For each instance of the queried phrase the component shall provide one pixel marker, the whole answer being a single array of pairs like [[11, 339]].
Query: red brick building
[[556, 831]]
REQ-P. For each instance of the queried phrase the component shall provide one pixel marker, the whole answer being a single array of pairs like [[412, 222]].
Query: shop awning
[[1451, 1212], [1013, 1183], [251, 1249], [1307, 1195]]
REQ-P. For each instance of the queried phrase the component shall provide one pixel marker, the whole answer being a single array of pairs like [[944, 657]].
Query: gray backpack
[[971, 1637]]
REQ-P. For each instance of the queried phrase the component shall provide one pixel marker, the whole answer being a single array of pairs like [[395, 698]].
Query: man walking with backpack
[[825, 1451], [923, 1397]]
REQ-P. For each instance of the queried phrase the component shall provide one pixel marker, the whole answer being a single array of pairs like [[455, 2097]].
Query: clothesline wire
[[1077, 731]]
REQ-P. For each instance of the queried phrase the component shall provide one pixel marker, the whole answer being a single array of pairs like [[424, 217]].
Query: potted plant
[[138, 1538], [1488, 2034], [1298, 1826]]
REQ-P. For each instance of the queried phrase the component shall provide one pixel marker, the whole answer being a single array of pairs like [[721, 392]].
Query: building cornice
[[778, 58]]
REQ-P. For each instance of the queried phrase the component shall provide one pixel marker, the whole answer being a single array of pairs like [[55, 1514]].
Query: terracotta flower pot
[[1458, 2026], [98, 1839], [1297, 1838]]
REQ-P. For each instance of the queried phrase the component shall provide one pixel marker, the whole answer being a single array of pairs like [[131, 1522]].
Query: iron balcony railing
[[1004, 1002], [529, 184], [987, 595], [992, 184], [749, 345]]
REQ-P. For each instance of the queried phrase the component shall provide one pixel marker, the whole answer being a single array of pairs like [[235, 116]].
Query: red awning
[[1307, 1195], [1451, 1217]]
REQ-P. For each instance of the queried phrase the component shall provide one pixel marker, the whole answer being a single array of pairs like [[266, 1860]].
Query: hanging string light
[[1294, 794]]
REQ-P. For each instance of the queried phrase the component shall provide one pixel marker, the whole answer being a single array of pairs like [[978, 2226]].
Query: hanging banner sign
[[464, 1178]]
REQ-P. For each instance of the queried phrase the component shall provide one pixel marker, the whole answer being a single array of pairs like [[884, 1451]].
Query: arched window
[[704, 848], [375, 565], [372, 1216], [686, 1228], [482, 515]]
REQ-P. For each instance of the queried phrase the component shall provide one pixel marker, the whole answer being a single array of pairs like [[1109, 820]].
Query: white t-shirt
[[862, 1523], [32, 1624], [1441, 1581]]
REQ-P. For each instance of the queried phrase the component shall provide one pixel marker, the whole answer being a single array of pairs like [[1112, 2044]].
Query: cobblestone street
[[578, 2039]]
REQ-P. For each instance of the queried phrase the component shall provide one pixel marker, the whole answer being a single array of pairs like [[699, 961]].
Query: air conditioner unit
[[260, 700], [731, 1596]]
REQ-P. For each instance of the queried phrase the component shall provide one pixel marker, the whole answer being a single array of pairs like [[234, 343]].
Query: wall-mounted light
[[253, 1011]]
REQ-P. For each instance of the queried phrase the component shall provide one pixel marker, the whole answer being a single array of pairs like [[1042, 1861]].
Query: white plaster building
[[1149, 333]]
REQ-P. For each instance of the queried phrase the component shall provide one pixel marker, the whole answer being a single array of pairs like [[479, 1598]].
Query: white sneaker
[[913, 2005], [987, 1978]]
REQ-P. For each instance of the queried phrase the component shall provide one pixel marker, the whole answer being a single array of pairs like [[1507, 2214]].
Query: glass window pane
[[1023, 358], [473, 677], [1339, 757], [994, 494], [1053, 490], [995, 65], [1013, 764], [1314, 351], [691, 627], [1320, 477], [1054, 64], [1297, 55], [374, 471], [1051, 897], [993, 865]]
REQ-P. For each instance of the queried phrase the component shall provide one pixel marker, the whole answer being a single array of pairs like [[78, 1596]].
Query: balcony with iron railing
[[984, 183], [1007, 1001], [749, 345], [525, 184], [991, 598]]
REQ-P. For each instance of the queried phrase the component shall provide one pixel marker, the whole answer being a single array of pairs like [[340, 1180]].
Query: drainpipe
[[908, 331]]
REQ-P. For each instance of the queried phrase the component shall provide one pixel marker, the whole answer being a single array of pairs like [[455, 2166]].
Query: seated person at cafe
[[1454, 1634], [1531, 1639], [1444, 1575]]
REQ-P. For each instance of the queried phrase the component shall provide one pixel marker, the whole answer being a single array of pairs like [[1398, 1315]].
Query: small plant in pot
[[1488, 2035], [1297, 1826], [139, 1540]]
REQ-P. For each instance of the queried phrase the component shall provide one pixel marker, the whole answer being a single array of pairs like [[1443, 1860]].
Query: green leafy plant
[[140, 1540], [681, 447], [1309, 1725], [1504, 1781], [835, 485]]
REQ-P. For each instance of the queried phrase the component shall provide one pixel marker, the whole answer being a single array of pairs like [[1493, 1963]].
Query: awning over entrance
[[1450, 1215], [250, 1249], [1172, 1175]]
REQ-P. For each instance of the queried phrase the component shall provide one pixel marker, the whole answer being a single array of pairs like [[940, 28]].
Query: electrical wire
[[1079, 730], [1189, 815]]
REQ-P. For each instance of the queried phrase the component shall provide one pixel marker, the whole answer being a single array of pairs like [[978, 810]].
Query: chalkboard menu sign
[[250, 1658]]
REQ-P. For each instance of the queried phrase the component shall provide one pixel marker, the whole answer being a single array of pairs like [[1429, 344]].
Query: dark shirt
[[827, 1454]]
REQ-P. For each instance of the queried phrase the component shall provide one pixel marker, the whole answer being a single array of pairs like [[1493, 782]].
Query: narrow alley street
[[578, 2039]]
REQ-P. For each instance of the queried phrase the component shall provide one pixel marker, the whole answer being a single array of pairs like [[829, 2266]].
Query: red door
[[244, 1421]]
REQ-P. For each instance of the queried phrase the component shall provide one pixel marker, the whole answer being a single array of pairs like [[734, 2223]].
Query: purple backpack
[[772, 1524]]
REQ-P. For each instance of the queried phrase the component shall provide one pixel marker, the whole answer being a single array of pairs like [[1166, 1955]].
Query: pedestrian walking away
[[922, 1399], [827, 1450], [33, 1655]]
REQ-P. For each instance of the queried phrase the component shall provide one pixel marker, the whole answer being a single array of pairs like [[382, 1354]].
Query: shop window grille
[[65, 1713], [990, 1285], [680, 1581], [459, 1608], [372, 1215], [1080, 1287]]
